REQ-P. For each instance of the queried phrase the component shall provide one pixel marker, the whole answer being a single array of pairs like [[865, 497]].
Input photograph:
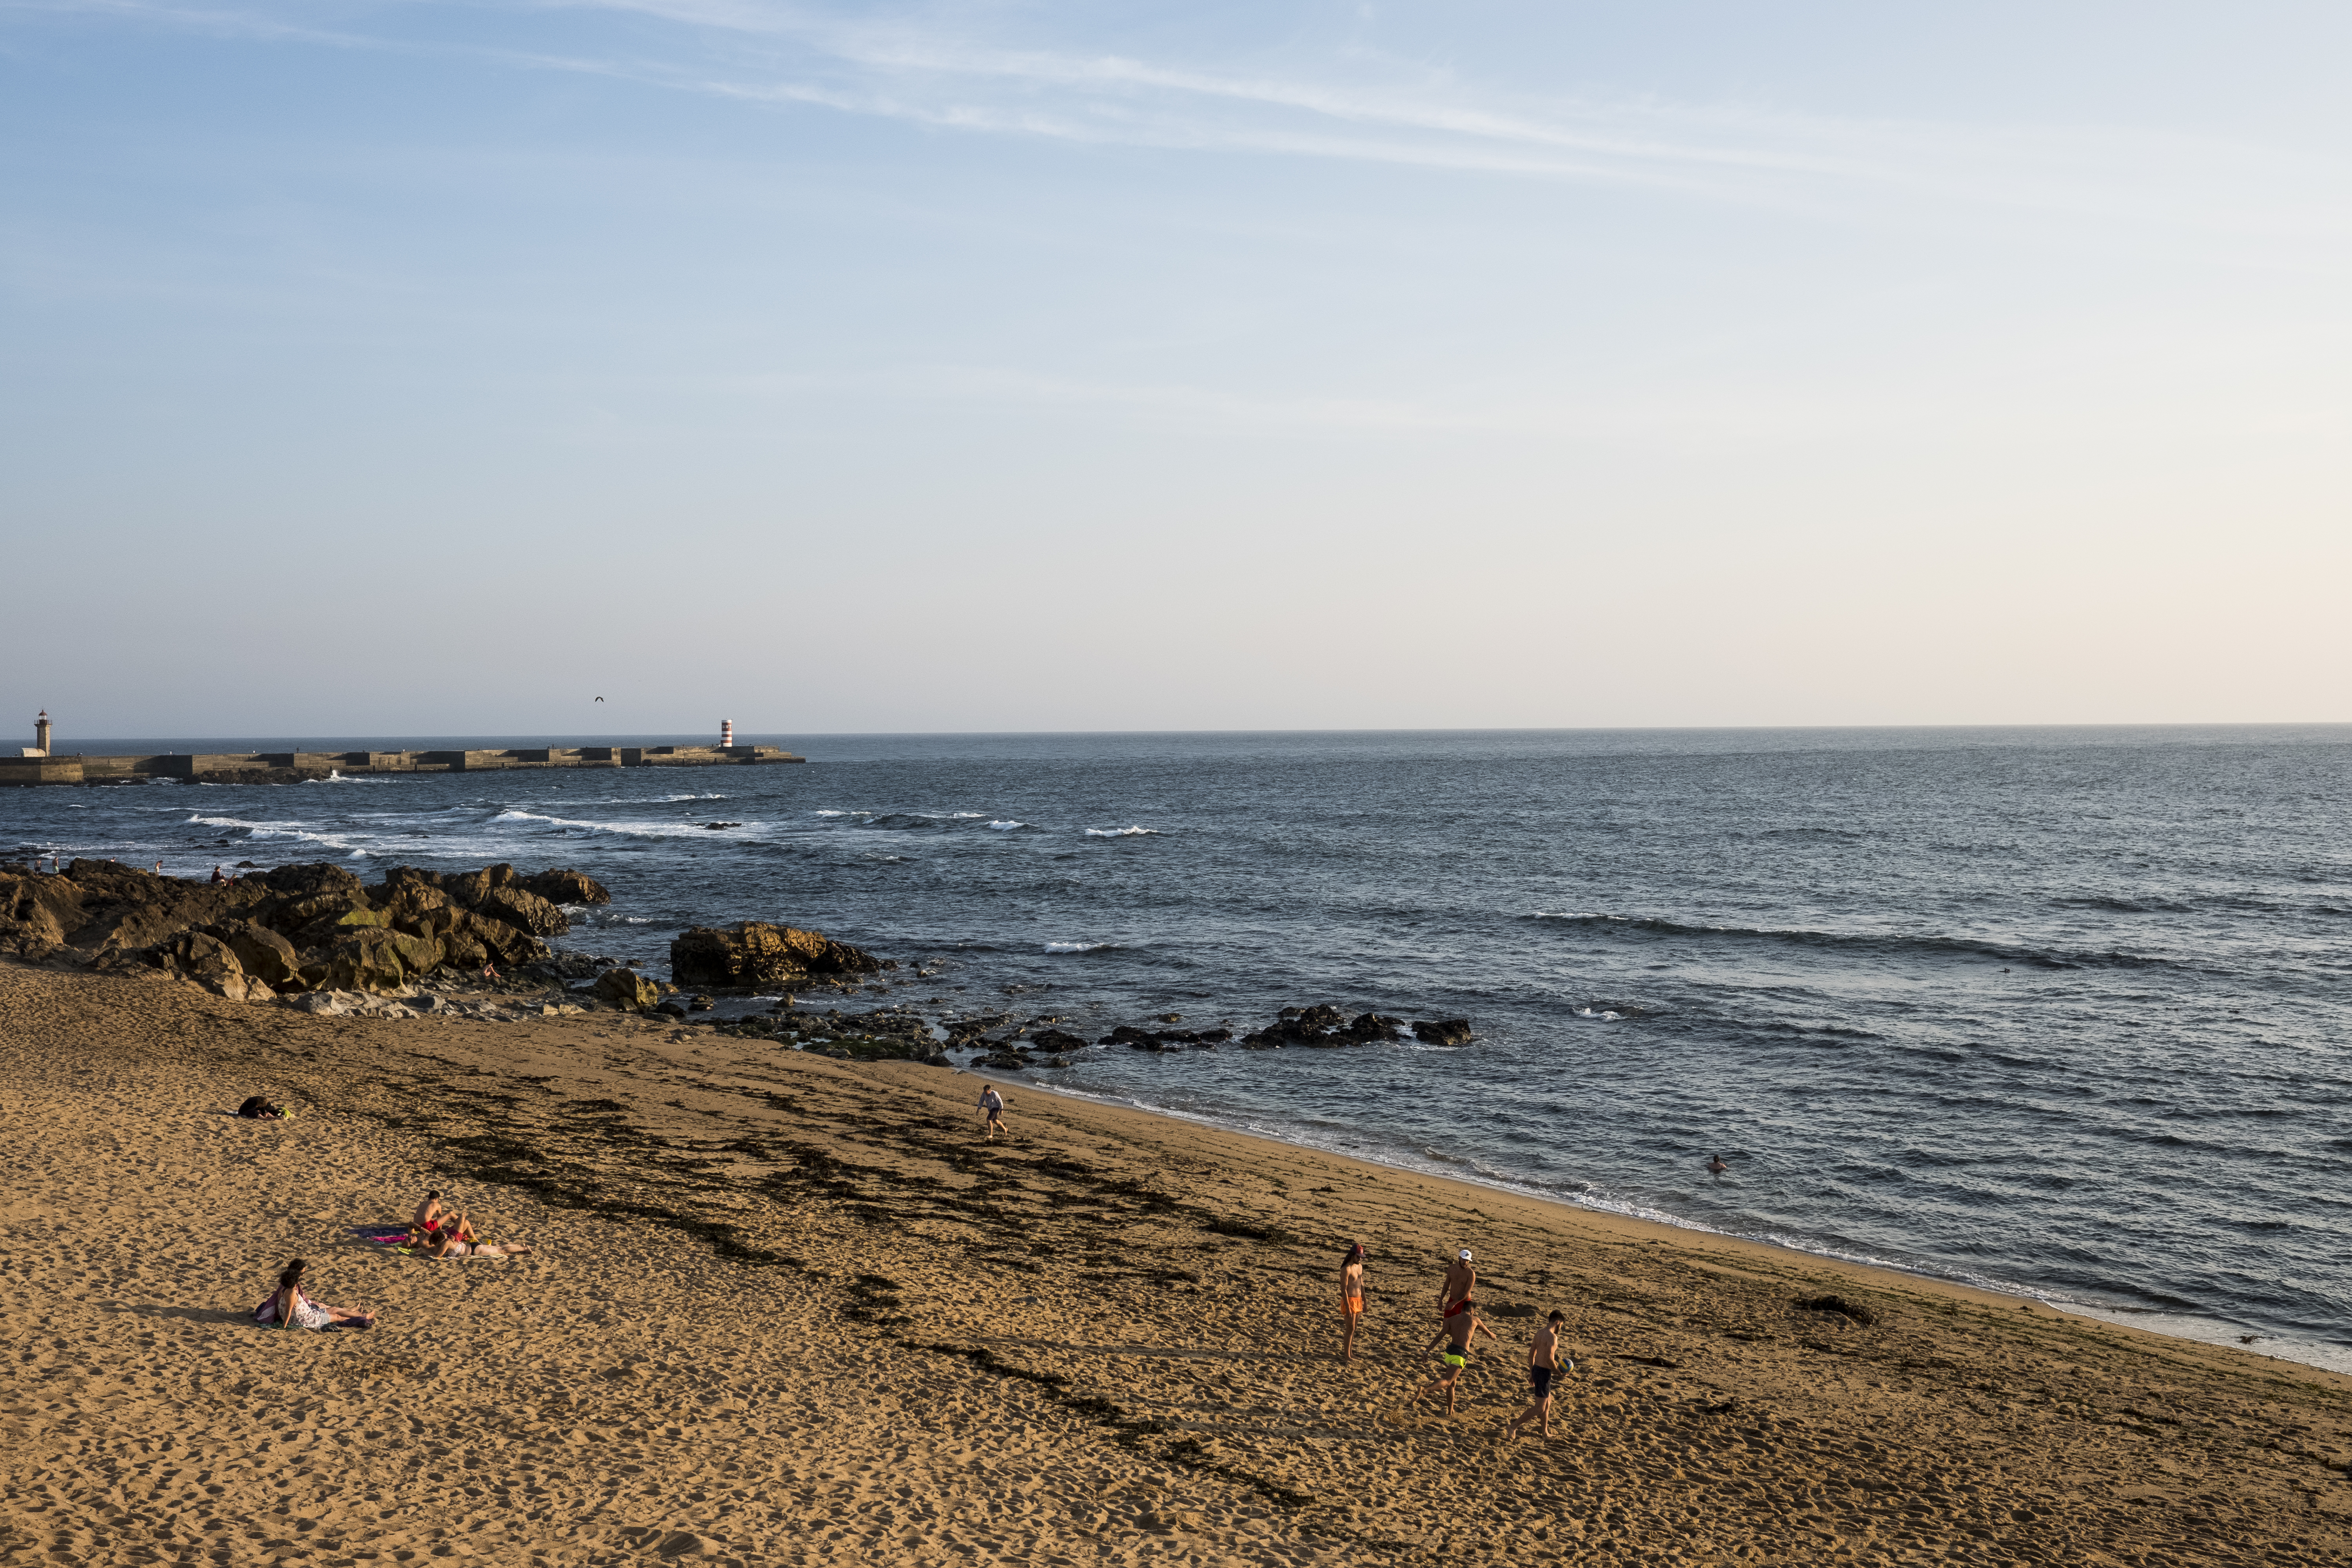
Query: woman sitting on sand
[[457, 1239], [289, 1307]]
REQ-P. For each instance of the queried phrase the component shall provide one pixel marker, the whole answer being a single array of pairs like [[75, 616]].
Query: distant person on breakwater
[[993, 1104], [1544, 1364], [1351, 1298]]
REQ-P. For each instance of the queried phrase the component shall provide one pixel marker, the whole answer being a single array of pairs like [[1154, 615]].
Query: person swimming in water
[[1715, 1165]]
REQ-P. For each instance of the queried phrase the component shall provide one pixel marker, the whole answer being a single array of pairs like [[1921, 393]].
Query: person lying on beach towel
[[287, 1307], [259, 1105], [456, 1238]]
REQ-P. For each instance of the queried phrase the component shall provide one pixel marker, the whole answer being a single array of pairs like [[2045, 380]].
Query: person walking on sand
[[1456, 1357], [1352, 1300], [1544, 1364], [1453, 1297], [993, 1104]]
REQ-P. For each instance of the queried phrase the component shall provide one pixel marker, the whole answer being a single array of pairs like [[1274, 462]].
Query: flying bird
[[600, 699]]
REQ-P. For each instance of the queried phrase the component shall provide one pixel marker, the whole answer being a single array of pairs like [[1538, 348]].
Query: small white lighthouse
[[727, 731], [40, 735]]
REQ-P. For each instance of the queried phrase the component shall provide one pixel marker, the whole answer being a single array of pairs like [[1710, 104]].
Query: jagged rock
[[752, 953], [566, 966], [626, 989], [367, 960], [416, 908], [459, 950], [508, 946], [37, 913], [473, 887], [311, 879], [523, 910], [1057, 1040], [1443, 1032], [262, 953], [567, 888], [1128, 1035]]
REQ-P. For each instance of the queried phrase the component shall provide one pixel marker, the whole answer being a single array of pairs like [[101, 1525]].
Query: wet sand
[[791, 1309]]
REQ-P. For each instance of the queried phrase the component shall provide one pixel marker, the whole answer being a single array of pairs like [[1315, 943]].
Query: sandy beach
[[790, 1309]]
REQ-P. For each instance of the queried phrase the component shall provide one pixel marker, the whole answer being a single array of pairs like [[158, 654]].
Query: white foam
[[1122, 832], [1006, 827], [335, 775], [631, 829], [1074, 946], [281, 832], [1604, 1015]]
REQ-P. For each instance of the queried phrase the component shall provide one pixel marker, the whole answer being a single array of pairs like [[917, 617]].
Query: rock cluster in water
[[293, 929], [754, 954]]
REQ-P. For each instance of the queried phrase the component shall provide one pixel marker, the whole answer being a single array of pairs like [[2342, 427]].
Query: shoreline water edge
[[2054, 1012]]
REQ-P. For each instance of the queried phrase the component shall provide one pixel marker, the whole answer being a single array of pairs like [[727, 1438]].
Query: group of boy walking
[[1458, 1324]]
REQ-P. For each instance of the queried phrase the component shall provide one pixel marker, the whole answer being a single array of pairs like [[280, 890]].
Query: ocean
[[2057, 1012]]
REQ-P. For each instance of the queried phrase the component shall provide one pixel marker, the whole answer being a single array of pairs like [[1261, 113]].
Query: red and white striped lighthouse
[[727, 731]]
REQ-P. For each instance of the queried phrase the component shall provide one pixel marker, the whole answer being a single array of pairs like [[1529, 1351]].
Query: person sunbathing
[[288, 1306], [457, 1239]]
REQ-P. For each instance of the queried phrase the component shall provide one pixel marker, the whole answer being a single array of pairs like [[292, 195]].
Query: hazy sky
[[433, 368]]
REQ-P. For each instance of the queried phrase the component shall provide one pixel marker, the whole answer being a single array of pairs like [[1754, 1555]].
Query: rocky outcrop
[[769, 957], [1324, 1026], [1443, 1032], [293, 928]]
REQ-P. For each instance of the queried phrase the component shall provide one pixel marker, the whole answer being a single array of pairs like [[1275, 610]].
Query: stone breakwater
[[292, 767]]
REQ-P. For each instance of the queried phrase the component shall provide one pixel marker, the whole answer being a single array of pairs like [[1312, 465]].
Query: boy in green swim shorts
[[1466, 1325]]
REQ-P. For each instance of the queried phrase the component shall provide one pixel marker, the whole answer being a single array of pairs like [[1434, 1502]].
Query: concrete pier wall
[[280, 767]]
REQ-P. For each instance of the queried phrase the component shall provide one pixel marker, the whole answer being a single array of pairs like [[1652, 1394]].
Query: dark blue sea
[[2059, 1012]]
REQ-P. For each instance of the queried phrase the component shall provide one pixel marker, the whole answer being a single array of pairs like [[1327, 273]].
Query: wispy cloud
[[934, 70]]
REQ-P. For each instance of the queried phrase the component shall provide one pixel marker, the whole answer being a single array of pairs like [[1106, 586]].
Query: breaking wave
[[1952, 946], [1122, 833]]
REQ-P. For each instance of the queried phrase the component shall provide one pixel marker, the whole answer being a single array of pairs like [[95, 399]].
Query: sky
[[436, 367]]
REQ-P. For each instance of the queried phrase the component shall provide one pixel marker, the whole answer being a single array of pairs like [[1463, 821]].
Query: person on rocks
[[1545, 1363], [219, 878], [1352, 1300], [1466, 1323], [288, 1307], [991, 1105]]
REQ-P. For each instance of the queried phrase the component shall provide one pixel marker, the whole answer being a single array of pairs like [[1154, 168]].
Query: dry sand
[[790, 1310]]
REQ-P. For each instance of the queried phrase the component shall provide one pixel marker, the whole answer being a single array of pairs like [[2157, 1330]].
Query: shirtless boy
[[1466, 1323], [1544, 1364], [1351, 1298], [1454, 1298]]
